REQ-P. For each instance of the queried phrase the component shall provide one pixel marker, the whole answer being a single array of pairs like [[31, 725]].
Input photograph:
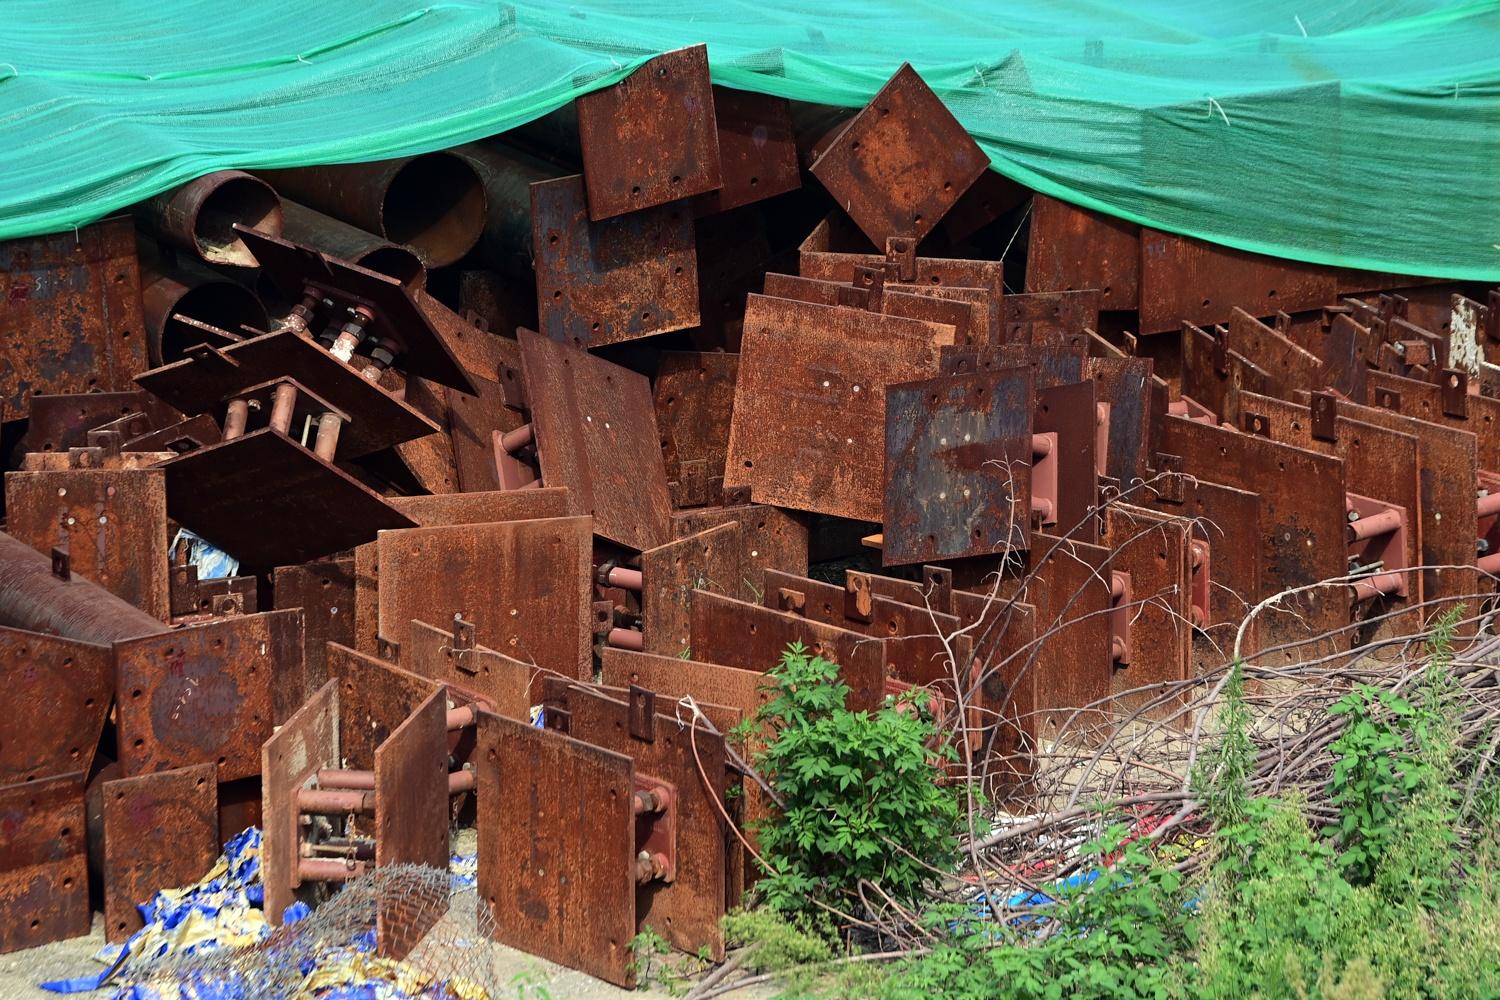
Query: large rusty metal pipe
[[200, 215], [32, 597], [338, 239], [184, 288], [507, 174], [433, 203]]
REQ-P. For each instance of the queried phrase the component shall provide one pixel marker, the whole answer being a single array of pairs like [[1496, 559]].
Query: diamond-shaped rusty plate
[[957, 466], [809, 417], [160, 829], [204, 381], [902, 162], [709, 560], [307, 743], [596, 435], [757, 150], [44, 882], [411, 817], [209, 693], [567, 895], [268, 501], [60, 692], [70, 309], [525, 585], [1073, 248], [650, 138], [620, 279], [111, 522]]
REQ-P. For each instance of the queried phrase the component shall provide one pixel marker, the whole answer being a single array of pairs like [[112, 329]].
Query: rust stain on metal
[[757, 150], [901, 163], [1073, 248], [325, 592], [160, 829], [1125, 384], [650, 139], [1155, 550], [557, 858], [811, 394], [709, 560], [524, 584], [60, 693], [70, 304], [818, 259], [411, 818], [299, 749], [62, 421], [111, 522], [44, 884], [770, 538], [1042, 318], [1184, 279], [1291, 366], [375, 698], [957, 466], [504, 683], [1068, 411], [209, 693], [619, 279], [694, 395]]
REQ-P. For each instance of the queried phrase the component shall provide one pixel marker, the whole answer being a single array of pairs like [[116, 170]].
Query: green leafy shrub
[[862, 791]]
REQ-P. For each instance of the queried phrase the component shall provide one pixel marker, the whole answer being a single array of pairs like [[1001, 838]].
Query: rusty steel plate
[[770, 538], [902, 162], [1069, 666], [471, 671], [739, 634], [293, 267], [525, 586], [1291, 366], [70, 306], [757, 150], [620, 279], [957, 466], [596, 435], [1303, 524], [650, 138], [375, 697], [1156, 551], [670, 573], [1125, 384], [1211, 373], [111, 522], [411, 818], [435, 511], [208, 378], [1424, 401], [1228, 520], [325, 593], [298, 750], [473, 422], [816, 258], [210, 693], [694, 397], [792, 286], [61, 691], [1184, 279], [1050, 364], [483, 354], [62, 421], [1042, 318], [967, 329], [688, 908], [1448, 469], [1347, 351], [985, 325], [557, 866], [809, 417], [1068, 410], [268, 501], [44, 882], [1072, 248], [160, 830]]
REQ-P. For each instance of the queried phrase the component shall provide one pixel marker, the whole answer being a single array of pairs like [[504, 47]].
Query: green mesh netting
[[1355, 132]]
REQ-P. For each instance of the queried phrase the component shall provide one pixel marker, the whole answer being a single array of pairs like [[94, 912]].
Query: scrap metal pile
[[600, 415]]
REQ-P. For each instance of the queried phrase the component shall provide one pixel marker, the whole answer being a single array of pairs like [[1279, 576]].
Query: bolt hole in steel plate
[[59, 692], [44, 891]]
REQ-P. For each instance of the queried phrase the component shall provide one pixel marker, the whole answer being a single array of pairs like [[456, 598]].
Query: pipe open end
[[436, 206], [241, 199]]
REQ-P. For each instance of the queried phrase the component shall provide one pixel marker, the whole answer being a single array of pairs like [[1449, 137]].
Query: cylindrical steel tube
[[1382, 523], [327, 441], [461, 717], [1041, 446], [1043, 507], [236, 419], [625, 578], [1371, 587], [339, 848], [341, 778], [433, 203], [188, 289], [1117, 648], [1116, 585], [338, 239], [1490, 564], [335, 801], [461, 781], [283, 402], [626, 638], [513, 441], [507, 174], [199, 216], [329, 869], [1489, 505], [33, 598]]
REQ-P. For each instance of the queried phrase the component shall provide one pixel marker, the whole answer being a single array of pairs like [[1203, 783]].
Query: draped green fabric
[[1363, 133]]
